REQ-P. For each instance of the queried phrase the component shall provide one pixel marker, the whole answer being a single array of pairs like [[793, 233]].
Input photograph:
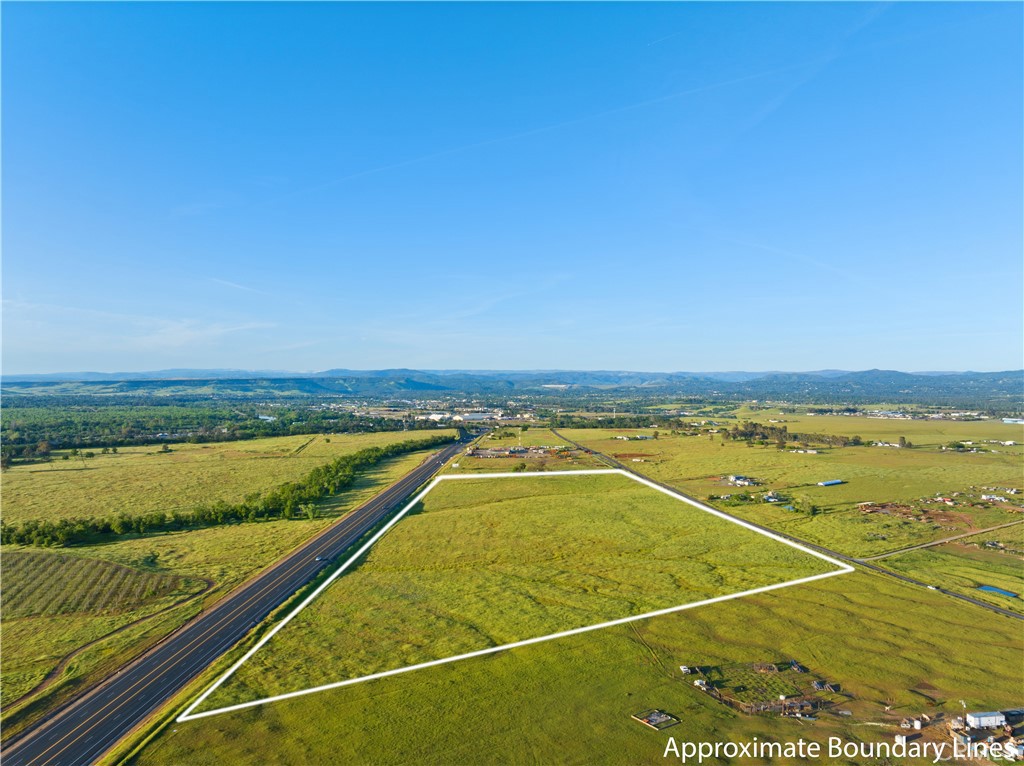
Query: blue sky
[[690, 186]]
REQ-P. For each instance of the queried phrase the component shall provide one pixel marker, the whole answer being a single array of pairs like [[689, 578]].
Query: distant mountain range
[[568, 376], [1004, 389]]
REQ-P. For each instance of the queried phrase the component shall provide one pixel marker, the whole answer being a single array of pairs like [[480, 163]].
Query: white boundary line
[[189, 716]]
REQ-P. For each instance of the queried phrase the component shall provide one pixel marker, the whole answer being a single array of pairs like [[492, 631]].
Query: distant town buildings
[[476, 417]]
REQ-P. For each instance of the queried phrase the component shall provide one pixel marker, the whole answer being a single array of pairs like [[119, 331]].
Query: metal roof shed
[[986, 720]]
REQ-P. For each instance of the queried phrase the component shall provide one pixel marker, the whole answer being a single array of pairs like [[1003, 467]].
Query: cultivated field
[[569, 700], [54, 604], [48, 584], [143, 479], [700, 465], [484, 563]]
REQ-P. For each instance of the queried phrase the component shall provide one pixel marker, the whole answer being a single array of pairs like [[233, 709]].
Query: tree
[[903, 441]]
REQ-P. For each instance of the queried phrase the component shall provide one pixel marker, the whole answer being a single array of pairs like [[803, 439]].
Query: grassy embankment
[[36, 643]]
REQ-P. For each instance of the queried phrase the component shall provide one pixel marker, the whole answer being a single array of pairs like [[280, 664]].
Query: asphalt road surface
[[827, 551], [85, 729]]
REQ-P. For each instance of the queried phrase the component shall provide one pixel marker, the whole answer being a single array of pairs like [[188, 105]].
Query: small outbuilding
[[986, 720]]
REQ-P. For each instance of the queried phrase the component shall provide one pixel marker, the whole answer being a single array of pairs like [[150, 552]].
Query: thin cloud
[[663, 39], [61, 328]]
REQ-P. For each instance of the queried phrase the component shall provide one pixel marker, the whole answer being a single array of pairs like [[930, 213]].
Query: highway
[[827, 551], [89, 726]]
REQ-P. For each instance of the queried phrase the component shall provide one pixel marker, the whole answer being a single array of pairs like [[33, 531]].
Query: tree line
[[750, 431], [561, 420], [31, 433], [286, 501]]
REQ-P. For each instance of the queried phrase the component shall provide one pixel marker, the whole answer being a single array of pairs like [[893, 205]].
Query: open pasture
[[511, 436], [506, 437], [880, 639], [700, 465], [924, 433], [963, 568], [482, 563], [143, 479]]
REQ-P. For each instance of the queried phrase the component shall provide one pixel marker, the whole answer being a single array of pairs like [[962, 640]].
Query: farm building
[[741, 481], [986, 720], [830, 483]]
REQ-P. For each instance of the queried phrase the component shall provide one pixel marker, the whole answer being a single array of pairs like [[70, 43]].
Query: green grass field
[[483, 563], [144, 479], [924, 433], [532, 437], [568, 701], [962, 568], [34, 645], [698, 466]]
